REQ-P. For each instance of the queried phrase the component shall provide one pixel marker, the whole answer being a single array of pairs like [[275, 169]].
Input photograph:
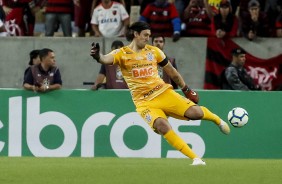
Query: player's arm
[[107, 59], [173, 74], [177, 78]]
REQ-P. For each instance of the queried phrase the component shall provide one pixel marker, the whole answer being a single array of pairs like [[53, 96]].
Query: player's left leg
[[162, 126]]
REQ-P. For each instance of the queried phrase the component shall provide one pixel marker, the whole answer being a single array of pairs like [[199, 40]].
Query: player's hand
[[190, 94], [95, 51]]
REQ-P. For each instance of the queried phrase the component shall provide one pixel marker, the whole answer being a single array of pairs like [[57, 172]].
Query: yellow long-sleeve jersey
[[140, 71]]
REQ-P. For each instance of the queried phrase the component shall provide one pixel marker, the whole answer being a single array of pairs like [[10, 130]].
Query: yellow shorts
[[169, 103]]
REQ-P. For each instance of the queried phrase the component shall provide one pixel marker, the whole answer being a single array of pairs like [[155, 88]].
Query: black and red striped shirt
[[160, 18], [59, 6]]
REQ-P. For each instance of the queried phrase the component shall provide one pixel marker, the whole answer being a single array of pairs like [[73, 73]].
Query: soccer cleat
[[224, 128], [198, 161]]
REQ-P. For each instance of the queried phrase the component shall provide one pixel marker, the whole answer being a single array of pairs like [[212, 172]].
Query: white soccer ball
[[238, 117]]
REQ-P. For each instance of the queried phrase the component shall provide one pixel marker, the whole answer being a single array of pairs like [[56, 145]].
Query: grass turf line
[[75, 170]]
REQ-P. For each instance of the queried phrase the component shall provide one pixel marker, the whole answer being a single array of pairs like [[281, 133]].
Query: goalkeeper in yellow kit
[[153, 98]]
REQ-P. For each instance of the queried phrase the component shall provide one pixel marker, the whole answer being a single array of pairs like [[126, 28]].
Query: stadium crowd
[[221, 19], [171, 18]]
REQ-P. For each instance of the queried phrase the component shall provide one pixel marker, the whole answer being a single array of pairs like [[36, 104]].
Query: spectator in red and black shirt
[[163, 19], [225, 24], [82, 16], [197, 19], [20, 18], [58, 12], [255, 23]]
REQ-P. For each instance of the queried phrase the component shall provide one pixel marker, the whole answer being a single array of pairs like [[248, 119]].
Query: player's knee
[[162, 126], [194, 113]]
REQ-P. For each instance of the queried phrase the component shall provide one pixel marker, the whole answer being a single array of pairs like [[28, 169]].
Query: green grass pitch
[[74, 170]]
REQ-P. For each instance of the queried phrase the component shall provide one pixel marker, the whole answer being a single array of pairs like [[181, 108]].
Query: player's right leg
[[201, 112], [183, 108]]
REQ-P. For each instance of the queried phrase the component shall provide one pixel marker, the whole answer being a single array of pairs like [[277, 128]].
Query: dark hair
[[117, 44], [157, 36], [32, 55], [225, 3], [2, 14], [138, 27], [253, 3], [44, 52], [226, 26], [237, 51]]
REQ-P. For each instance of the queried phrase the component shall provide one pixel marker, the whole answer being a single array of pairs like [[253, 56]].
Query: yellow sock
[[208, 115], [175, 141]]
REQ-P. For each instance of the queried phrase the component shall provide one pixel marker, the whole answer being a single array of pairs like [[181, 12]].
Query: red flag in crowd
[[265, 72]]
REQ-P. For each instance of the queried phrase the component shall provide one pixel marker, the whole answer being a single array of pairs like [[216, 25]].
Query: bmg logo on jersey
[[142, 72]]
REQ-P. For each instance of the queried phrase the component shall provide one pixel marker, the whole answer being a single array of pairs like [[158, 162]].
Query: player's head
[[117, 44], [139, 32], [34, 57], [238, 57], [158, 41]]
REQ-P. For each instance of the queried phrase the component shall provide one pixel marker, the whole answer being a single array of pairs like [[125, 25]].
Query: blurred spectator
[[82, 16], [255, 23], [234, 5], [197, 19], [20, 17], [235, 76], [243, 8], [109, 19], [159, 41], [3, 31], [163, 19], [144, 4], [110, 76], [45, 76], [34, 59], [180, 5], [97, 2], [272, 10], [127, 4], [58, 12], [278, 25], [225, 24], [2, 12]]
